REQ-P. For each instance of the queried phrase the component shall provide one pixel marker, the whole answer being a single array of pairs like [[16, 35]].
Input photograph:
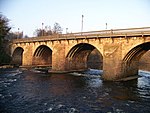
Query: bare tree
[[57, 29], [38, 32], [42, 32], [14, 35]]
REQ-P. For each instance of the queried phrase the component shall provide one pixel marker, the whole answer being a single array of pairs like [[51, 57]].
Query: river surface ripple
[[28, 91]]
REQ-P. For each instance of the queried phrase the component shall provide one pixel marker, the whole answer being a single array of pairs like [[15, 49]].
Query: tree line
[[57, 29], [4, 30]]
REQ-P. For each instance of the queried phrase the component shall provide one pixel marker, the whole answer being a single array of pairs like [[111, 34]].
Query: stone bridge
[[116, 51]]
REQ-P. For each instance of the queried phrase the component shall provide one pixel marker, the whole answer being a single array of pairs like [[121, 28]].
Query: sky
[[28, 15]]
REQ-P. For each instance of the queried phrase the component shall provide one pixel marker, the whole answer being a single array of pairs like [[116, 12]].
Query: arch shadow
[[42, 56], [17, 56], [131, 60], [84, 56]]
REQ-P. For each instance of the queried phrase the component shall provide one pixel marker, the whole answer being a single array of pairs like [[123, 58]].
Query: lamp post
[[106, 25], [18, 32], [66, 30], [82, 24], [42, 29]]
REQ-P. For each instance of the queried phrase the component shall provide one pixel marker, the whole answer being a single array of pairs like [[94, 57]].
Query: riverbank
[[6, 66]]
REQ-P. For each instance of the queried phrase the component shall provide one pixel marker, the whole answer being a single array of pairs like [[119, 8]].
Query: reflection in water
[[25, 91]]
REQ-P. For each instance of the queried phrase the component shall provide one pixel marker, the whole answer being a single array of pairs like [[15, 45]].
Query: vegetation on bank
[[4, 30]]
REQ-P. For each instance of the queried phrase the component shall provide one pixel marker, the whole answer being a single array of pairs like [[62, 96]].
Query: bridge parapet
[[91, 34]]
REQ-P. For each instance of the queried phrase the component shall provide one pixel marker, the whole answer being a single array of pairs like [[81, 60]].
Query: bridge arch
[[83, 56], [131, 60], [42, 56], [17, 56]]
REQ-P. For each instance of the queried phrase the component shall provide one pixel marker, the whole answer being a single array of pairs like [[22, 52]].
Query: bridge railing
[[114, 31], [102, 33]]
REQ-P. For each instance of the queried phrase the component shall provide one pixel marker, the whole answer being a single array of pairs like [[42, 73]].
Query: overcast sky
[[28, 15]]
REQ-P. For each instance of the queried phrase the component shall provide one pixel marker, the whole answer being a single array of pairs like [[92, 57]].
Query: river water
[[29, 91]]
